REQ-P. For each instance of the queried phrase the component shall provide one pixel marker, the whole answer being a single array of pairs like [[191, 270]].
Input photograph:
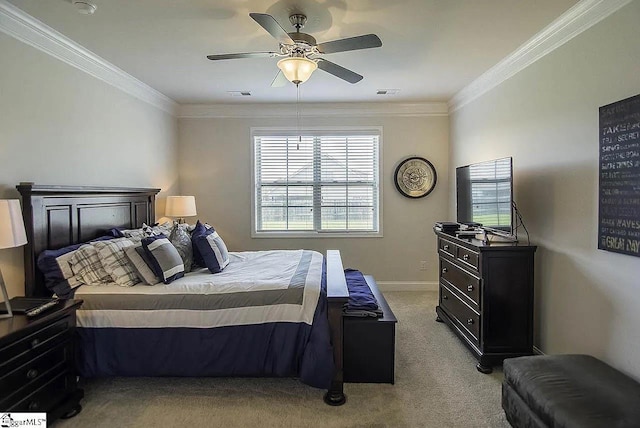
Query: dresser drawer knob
[[35, 342], [446, 247], [32, 374], [469, 288], [34, 405], [445, 270], [465, 257], [445, 297], [470, 321]]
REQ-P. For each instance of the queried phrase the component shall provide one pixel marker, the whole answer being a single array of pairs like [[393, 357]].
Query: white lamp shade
[[180, 206], [12, 233], [297, 69]]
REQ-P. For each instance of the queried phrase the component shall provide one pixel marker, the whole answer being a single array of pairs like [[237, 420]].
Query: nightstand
[[37, 369]]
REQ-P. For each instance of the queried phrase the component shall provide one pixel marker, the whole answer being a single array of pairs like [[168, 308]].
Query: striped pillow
[[115, 263], [136, 256], [198, 230], [55, 265], [86, 263], [165, 260], [212, 249]]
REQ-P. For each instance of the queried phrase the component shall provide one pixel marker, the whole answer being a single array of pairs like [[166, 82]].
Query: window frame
[[314, 132]]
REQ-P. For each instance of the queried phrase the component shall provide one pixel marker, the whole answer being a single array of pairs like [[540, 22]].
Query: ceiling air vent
[[387, 91], [239, 93]]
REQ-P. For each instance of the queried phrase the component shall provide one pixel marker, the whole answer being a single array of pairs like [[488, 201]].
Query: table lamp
[[12, 234], [180, 207]]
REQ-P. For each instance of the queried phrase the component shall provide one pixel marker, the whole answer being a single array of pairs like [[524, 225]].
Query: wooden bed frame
[[58, 216]]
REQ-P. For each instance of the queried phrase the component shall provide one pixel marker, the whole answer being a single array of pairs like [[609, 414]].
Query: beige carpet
[[437, 385]]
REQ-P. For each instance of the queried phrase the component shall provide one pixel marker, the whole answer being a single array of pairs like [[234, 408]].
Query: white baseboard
[[407, 285]]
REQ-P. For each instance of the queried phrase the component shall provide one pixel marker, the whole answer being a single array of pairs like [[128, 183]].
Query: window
[[320, 182]]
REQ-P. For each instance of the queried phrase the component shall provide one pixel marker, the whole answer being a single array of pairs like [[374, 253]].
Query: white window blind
[[316, 183]]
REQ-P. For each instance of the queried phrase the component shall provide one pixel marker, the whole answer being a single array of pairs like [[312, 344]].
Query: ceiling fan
[[301, 53]]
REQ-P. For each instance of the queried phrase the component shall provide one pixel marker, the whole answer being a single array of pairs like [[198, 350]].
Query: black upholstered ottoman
[[568, 391]]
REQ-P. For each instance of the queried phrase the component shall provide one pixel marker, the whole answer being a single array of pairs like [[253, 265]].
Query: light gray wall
[[59, 125], [546, 117], [215, 166]]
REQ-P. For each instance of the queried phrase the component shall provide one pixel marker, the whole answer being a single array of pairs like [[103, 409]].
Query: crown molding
[[574, 21], [312, 110], [22, 26]]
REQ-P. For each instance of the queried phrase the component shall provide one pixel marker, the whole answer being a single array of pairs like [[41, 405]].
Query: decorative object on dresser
[[486, 296], [12, 234], [180, 207], [37, 370]]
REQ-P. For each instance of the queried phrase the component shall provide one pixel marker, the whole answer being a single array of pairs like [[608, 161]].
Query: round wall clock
[[415, 177]]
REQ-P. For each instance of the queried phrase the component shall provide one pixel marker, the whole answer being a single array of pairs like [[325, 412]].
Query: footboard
[[337, 294]]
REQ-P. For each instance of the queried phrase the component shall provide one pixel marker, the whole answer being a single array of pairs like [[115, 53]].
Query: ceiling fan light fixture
[[85, 7], [297, 69]]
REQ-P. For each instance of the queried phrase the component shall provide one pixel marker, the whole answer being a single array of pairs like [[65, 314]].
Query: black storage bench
[[369, 344], [568, 391]]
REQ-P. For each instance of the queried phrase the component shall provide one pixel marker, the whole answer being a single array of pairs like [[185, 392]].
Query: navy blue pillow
[[212, 249], [53, 275], [165, 259], [116, 232], [199, 230]]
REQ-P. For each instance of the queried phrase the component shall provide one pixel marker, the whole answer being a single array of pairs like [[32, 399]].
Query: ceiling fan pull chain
[[298, 115]]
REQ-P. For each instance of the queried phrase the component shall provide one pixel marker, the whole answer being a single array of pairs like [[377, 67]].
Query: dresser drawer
[[35, 343], [22, 380], [46, 397], [447, 247], [466, 318], [468, 257], [468, 285]]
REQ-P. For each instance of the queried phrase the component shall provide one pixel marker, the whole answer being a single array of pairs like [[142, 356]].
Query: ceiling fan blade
[[351, 44], [270, 24], [279, 81], [339, 71], [243, 55]]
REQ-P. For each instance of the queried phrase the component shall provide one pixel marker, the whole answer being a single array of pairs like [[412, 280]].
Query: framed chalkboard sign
[[619, 190]]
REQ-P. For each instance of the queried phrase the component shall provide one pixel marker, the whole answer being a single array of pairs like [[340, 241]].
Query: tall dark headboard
[[58, 216]]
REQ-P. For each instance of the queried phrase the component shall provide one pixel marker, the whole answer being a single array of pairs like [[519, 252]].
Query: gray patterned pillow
[[146, 230], [181, 239]]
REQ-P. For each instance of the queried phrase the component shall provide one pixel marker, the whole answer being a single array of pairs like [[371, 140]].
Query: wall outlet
[[423, 265]]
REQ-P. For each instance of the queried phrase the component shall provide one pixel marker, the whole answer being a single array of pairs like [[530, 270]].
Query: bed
[[297, 330]]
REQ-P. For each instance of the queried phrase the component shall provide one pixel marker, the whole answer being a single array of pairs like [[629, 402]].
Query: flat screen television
[[484, 194]]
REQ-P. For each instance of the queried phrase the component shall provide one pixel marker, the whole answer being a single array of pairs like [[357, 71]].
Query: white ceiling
[[431, 48]]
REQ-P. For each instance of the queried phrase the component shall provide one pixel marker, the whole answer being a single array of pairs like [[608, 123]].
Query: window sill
[[288, 235]]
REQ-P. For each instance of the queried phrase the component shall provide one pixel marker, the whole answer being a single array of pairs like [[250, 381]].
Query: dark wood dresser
[[37, 370], [486, 296]]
